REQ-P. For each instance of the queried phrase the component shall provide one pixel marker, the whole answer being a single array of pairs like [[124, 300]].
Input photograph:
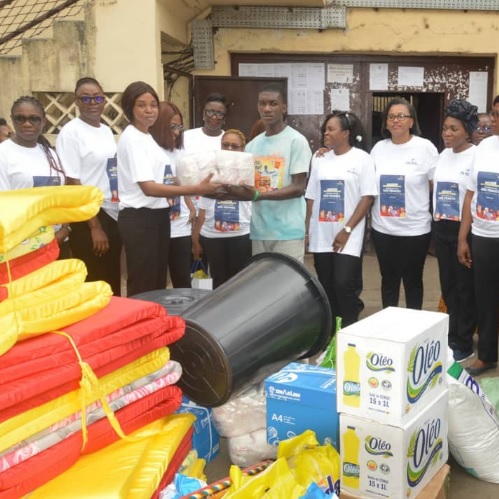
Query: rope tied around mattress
[[90, 388]]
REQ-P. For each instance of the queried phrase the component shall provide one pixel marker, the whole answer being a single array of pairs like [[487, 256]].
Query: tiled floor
[[463, 485]]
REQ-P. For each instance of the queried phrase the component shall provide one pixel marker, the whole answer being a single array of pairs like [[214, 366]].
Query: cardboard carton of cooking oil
[[392, 364], [384, 461]]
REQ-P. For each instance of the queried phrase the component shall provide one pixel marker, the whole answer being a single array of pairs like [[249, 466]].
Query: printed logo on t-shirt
[[45, 181], [173, 203], [392, 196], [487, 201], [227, 216], [447, 201], [332, 204], [112, 175], [269, 173]]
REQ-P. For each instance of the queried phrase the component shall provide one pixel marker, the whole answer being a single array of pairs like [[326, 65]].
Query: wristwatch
[[348, 229]]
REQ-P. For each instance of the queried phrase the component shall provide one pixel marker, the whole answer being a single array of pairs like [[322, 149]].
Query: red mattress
[[30, 262], [41, 468], [43, 368]]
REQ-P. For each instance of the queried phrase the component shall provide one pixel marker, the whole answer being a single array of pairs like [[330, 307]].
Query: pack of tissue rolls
[[229, 167]]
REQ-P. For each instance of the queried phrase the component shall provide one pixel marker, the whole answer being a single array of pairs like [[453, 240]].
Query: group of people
[[298, 202]]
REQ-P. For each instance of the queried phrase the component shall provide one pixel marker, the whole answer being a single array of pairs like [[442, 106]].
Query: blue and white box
[[302, 397], [205, 439]]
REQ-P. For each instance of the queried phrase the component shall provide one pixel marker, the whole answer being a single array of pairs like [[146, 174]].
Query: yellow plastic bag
[[301, 461]]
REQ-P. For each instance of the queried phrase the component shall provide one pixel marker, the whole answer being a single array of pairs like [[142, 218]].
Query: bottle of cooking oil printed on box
[[351, 468], [351, 380]]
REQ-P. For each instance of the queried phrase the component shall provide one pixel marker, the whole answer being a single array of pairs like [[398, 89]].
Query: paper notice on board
[[478, 90], [340, 99], [410, 76], [340, 73], [378, 76]]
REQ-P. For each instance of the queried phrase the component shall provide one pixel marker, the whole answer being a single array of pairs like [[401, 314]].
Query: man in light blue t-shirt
[[282, 158]]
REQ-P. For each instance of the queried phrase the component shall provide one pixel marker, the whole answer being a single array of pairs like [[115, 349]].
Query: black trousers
[[180, 261], [145, 234], [226, 256], [486, 275], [401, 259], [340, 276], [456, 283], [99, 268]]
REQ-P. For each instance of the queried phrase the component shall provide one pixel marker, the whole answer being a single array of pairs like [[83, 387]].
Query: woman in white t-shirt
[[481, 216], [401, 218], [87, 148], [222, 227], [144, 218], [167, 132], [340, 192], [449, 189], [27, 159]]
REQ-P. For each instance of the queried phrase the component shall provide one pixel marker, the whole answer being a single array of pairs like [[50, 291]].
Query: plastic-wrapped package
[[229, 167], [242, 414], [194, 167], [250, 448]]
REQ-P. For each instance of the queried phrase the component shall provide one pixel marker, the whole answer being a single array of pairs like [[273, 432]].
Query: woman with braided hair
[[450, 180], [28, 160]]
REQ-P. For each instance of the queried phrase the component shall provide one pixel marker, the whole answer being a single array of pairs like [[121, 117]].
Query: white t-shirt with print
[[195, 140], [179, 211], [403, 174], [26, 167], [140, 159], [484, 182], [225, 218], [88, 153], [336, 186], [450, 183]]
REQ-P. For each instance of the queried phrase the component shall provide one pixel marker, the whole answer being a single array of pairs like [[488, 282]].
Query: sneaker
[[461, 356]]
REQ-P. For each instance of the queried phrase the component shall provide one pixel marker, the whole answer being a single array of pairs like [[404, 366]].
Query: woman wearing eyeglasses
[[450, 182], [28, 160], [481, 217], [339, 194], [401, 218], [168, 133], [222, 227], [482, 130], [209, 136], [88, 150]]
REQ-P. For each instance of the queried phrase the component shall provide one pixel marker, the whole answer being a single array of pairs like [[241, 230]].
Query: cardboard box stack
[[392, 399]]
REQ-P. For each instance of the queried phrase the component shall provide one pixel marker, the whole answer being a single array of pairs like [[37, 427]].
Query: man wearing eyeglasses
[[5, 131]]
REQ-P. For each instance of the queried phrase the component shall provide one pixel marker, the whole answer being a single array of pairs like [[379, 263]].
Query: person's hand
[[62, 234], [464, 253], [100, 242], [321, 152], [241, 192], [340, 240], [208, 188], [307, 244], [197, 250]]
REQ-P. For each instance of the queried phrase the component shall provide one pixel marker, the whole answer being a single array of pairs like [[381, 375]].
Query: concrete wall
[[370, 31]]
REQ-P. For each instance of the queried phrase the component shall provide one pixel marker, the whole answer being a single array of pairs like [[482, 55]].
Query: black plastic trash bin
[[175, 301], [273, 312]]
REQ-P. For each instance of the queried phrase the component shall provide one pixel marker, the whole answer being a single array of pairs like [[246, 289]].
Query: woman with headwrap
[[480, 215], [450, 180]]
